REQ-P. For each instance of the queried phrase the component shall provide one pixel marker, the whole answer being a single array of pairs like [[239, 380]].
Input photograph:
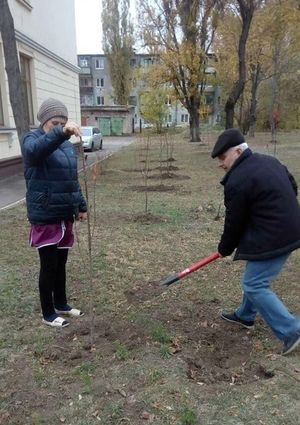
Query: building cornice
[[41, 49]]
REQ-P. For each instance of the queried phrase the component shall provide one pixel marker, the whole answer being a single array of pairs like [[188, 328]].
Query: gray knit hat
[[51, 108]]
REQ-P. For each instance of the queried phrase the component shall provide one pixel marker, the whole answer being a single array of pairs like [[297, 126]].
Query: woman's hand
[[71, 128], [82, 216]]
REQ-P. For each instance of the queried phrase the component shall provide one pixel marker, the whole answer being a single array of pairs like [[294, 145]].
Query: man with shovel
[[262, 222]]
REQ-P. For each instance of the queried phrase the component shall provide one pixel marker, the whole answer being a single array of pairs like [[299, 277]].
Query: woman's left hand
[[82, 216]]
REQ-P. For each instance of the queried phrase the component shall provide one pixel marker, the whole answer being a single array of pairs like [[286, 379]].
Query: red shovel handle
[[173, 278]]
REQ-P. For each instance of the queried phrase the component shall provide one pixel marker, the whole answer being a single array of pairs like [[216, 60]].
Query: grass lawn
[[162, 357]]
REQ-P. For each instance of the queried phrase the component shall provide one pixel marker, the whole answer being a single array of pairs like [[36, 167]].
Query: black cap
[[228, 139]]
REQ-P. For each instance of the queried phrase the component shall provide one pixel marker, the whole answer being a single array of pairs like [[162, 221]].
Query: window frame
[[99, 101], [100, 82], [26, 81], [84, 63], [100, 63]]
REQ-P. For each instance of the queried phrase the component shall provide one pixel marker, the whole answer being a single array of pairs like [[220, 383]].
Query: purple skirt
[[60, 234]]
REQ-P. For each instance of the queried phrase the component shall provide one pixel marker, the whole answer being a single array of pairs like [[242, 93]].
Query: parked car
[[91, 138]]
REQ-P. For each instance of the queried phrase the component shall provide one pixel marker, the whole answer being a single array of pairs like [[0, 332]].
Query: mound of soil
[[170, 176], [156, 188]]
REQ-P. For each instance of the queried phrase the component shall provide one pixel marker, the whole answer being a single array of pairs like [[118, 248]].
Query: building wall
[[88, 81], [92, 117], [51, 23], [178, 114], [53, 69]]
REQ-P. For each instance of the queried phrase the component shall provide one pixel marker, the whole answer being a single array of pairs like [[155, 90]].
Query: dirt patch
[[169, 160], [154, 188], [143, 218], [145, 292], [209, 346], [136, 170], [173, 176], [158, 160], [148, 218], [170, 168]]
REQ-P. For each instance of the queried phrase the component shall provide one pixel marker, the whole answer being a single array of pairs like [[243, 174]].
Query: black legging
[[52, 280]]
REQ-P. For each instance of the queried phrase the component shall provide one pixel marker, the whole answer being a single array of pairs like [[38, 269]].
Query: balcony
[[85, 71], [86, 90]]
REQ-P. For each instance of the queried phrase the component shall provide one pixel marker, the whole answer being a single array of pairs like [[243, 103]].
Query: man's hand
[[82, 216], [71, 128]]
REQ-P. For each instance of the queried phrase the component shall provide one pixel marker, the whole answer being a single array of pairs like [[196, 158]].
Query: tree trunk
[[12, 69], [229, 110], [255, 80], [194, 120], [274, 107], [246, 11]]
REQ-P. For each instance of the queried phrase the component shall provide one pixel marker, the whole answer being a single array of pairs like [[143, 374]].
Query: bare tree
[[12, 68], [181, 33], [246, 11]]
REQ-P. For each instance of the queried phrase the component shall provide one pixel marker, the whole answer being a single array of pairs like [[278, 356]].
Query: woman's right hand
[[71, 128]]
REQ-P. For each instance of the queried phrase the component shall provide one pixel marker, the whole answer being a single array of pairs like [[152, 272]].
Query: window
[[168, 101], [84, 63], [100, 100], [99, 63], [133, 100], [86, 100], [85, 82], [86, 131], [100, 82], [170, 118], [1, 110], [209, 99], [184, 117], [147, 62], [26, 88]]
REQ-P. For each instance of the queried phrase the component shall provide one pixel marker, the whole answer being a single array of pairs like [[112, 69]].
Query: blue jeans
[[258, 297]]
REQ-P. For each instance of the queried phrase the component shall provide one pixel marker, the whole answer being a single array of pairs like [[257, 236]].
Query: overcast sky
[[88, 26]]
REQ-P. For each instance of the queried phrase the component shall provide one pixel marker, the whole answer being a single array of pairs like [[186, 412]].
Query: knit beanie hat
[[51, 108]]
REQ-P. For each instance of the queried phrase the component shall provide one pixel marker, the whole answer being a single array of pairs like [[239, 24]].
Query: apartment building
[[46, 43], [97, 102]]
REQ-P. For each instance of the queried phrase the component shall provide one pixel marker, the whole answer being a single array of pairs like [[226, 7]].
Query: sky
[[88, 26]]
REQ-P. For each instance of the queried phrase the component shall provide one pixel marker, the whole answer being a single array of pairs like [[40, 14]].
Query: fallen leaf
[[122, 392], [145, 415]]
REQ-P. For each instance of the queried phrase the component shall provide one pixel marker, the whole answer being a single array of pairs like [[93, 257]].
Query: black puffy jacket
[[262, 218], [50, 170]]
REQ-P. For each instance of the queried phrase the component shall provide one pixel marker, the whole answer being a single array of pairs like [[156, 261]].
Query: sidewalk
[[13, 189]]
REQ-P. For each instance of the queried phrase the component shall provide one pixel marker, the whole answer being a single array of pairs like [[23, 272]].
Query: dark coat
[[262, 217], [50, 170]]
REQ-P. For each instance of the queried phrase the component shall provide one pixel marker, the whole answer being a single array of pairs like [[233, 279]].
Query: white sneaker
[[73, 312], [58, 322]]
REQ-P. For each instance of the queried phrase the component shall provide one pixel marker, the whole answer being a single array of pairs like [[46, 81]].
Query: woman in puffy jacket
[[54, 199]]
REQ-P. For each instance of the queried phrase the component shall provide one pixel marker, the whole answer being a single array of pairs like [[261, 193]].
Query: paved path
[[12, 189]]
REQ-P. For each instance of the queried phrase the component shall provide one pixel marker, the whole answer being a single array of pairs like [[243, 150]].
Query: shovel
[[174, 277]]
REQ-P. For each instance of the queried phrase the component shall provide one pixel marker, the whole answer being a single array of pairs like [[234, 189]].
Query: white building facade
[[46, 42]]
